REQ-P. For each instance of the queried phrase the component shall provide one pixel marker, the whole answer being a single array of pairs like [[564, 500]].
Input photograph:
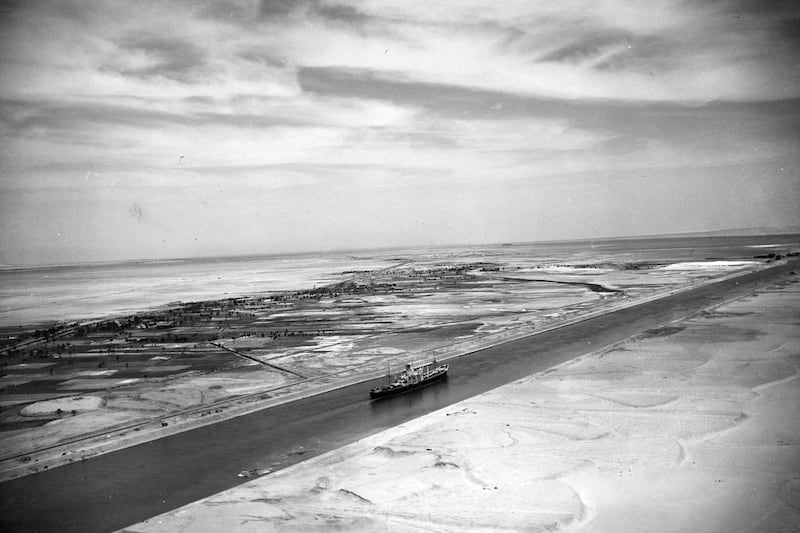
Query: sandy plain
[[692, 426]]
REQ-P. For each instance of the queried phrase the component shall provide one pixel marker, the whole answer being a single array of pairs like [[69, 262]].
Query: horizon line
[[745, 232]]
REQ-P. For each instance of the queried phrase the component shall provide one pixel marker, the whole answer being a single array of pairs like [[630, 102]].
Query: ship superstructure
[[412, 377]]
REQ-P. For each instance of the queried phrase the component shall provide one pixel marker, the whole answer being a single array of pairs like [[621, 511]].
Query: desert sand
[[118, 383], [692, 426]]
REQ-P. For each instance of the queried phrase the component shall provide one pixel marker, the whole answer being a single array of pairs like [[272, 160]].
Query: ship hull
[[386, 392]]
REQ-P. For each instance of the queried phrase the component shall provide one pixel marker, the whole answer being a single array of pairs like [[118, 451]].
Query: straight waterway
[[124, 487]]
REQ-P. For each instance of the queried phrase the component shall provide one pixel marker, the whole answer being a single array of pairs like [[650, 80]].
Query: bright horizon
[[174, 130], [734, 233]]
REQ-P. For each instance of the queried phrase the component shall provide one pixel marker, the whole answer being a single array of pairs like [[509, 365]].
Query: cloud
[[332, 12], [152, 55], [275, 101], [342, 13], [662, 51], [771, 8], [268, 8], [232, 12]]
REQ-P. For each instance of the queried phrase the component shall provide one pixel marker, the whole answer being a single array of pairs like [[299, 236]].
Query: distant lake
[[79, 292]]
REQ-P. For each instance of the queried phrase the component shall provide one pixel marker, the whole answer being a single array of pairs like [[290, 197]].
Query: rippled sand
[[690, 427]]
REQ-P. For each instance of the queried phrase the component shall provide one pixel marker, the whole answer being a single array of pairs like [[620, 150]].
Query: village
[[76, 379]]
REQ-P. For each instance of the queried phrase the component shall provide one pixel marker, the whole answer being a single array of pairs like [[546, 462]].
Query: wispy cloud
[[352, 96], [150, 56]]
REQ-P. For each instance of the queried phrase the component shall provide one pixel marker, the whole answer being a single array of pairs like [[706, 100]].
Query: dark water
[[124, 487]]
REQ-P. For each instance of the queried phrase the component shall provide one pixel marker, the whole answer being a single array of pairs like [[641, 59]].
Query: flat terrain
[[119, 488], [690, 426], [73, 390]]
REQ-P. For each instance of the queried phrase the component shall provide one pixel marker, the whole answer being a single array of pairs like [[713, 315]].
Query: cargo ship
[[410, 379]]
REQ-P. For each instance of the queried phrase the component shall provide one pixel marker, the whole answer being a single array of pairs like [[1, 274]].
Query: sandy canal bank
[[54, 444], [692, 426]]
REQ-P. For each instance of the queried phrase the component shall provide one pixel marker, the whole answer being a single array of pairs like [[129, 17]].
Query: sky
[[157, 129]]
